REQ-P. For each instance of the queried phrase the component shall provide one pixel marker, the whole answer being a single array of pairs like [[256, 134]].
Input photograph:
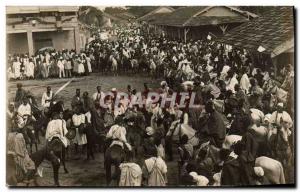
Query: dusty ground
[[82, 172]]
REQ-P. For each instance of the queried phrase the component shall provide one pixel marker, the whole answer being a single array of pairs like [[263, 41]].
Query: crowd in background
[[237, 96]]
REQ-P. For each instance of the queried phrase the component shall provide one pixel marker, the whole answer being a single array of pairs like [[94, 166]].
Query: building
[[270, 36], [154, 15], [196, 22], [30, 28]]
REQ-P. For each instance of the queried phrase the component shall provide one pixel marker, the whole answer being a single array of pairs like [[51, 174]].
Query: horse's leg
[[36, 146], [107, 171], [55, 165], [169, 150], [117, 172], [63, 159]]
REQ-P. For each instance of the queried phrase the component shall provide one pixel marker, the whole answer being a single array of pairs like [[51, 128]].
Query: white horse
[[180, 129], [273, 169]]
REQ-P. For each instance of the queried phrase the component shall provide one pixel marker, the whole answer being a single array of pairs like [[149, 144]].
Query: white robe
[[29, 69], [157, 169], [57, 128], [24, 109], [131, 174], [80, 139], [17, 69], [245, 83], [231, 83], [46, 97]]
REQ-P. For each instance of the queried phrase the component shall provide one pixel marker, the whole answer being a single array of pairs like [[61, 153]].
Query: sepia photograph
[[150, 96]]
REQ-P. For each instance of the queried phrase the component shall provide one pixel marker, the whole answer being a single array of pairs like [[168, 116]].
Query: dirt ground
[[81, 171]]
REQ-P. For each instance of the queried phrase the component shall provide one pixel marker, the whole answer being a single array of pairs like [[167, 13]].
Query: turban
[[259, 171], [201, 180]]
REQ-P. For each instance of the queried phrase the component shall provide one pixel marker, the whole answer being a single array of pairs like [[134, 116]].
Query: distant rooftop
[[38, 9]]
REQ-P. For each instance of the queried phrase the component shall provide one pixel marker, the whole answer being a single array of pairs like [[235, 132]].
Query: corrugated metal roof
[[269, 31]]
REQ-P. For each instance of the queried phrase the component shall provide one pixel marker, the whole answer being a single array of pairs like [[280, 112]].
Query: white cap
[[280, 104]]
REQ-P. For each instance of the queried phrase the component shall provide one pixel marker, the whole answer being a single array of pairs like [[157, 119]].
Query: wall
[[60, 39], [16, 43]]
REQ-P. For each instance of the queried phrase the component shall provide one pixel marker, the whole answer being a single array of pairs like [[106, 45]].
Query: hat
[[114, 89], [150, 131]]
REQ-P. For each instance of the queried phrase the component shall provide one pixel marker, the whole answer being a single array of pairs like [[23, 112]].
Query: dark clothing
[[240, 123], [97, 121], [76, 101], [231, 173], [250, 143], [216, 129], [246, 169], [20, 94]]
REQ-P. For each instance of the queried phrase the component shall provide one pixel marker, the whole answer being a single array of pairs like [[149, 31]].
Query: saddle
[[55, 144]]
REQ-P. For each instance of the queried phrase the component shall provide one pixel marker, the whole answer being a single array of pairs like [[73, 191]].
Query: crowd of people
[[49, 63], [241, 131]]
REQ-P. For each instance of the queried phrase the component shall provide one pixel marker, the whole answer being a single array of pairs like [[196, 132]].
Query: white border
[[4, 3]]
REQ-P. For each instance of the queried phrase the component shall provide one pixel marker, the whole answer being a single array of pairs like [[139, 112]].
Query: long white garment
[[224, 72], [29, 69], [157, 170], [245, 83], [17, 69], [77, 120], [131, 174], [231, 83], [81, 68], [45, 97], [57, 128]]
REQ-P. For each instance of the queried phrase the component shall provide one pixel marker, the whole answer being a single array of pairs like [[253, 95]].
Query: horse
[[28, 131], [273, 169], [113, 156], [54, 151]]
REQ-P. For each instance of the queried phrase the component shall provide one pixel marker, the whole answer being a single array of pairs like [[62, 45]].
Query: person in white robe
[[281, 118], [131, 173], [57, 128], [245, 83], [155, 171], [98, 95], [118, 134], [17, 69], [231, 82], [29, 69], [61, 68], [224, 71], [24, 109], [78, 120], [47, 97]]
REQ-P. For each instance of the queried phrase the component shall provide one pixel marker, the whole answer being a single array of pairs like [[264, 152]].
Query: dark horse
[[113, 156], [54, 151]]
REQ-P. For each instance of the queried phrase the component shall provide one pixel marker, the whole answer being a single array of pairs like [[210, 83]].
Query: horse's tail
[[281, 176]]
